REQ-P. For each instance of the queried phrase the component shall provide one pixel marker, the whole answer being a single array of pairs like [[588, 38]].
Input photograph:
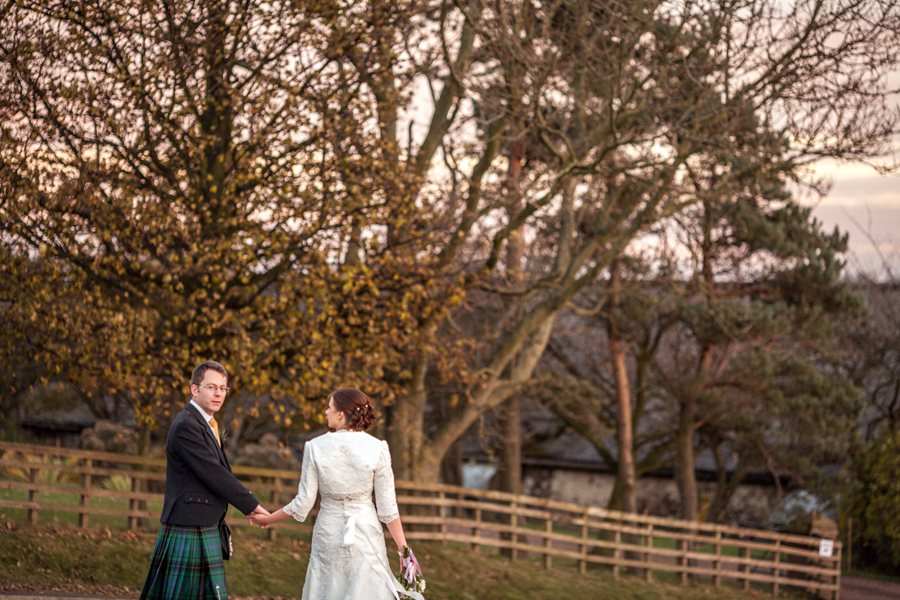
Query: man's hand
[[258, 517]]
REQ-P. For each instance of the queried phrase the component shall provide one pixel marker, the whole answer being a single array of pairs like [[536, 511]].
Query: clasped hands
[[260, 517]]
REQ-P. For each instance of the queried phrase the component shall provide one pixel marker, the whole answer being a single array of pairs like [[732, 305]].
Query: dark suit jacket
[[199, 483]]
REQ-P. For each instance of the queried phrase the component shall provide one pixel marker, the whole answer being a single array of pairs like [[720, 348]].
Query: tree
[[731, 331], [601, 358], [176, 184], [356, 234], [622, 99], [873, 502], [872, 353], [871, 362]]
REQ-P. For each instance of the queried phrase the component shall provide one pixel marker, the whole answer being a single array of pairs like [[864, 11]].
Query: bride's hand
[[258, 521], [260, 517]]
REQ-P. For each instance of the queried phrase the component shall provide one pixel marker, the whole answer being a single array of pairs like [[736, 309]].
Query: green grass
[[114, 562], [108, 560]]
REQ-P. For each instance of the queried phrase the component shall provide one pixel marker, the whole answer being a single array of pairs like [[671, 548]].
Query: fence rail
[[519, 525]]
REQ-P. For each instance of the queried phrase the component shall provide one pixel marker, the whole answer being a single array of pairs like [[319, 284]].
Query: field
[[112, 562]]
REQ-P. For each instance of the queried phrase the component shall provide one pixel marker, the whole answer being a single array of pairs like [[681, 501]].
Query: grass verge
[[866, 574], [114, 563]]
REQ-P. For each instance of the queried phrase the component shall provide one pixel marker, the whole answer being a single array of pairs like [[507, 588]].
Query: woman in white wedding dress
[[348, 559]]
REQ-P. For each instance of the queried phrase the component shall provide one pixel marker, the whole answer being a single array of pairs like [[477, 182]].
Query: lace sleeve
[[303, 502], [385, 496]]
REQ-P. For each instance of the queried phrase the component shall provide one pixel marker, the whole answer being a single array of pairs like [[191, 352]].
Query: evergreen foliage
[[874, 503], [731, 335]]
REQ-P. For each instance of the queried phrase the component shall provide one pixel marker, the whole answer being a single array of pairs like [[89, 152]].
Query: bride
[[348, 560]]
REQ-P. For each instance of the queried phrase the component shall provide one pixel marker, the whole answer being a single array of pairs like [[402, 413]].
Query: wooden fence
[[555, 533]]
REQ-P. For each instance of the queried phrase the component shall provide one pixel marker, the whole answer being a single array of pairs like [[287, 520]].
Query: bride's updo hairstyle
[[355, 405]]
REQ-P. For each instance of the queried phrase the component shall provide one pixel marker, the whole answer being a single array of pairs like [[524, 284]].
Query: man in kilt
[[187, 561]]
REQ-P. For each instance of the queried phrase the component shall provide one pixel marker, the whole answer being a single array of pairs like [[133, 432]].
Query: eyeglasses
[[216, 388]]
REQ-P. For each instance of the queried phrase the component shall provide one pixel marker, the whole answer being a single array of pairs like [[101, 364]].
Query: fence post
[[442, 513], [273, 498], [143, 485], [648, 556], [683, 561], [476, 531], [775, 568], [33, 497], [513, 536], [745, 553], [717, 564], [85, 500], [617, 553], [548, 543], [582, 564], [849, 544], [836, 578], [133, 503]]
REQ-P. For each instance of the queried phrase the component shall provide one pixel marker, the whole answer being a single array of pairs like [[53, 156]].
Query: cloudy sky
[[866, 205]]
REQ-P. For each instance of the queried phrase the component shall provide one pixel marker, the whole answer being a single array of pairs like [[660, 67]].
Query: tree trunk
[[491, 394], [510, 472], [625, 477], [725, 486], [512, 363], [233, 440], [685, 476], [685, 472], [509, 475], [404, 430], [451, 466], [143, 448], [616, 499]]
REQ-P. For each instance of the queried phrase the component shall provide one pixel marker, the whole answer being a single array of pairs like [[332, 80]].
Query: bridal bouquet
[[410, 574]]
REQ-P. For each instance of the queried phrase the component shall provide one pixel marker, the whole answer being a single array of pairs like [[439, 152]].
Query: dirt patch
[[859, 588], [67, 590]]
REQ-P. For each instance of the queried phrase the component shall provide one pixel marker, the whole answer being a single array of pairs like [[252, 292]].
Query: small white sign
[[826, 548]]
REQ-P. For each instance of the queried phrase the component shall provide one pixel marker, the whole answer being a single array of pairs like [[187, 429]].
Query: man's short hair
[[200, 371]]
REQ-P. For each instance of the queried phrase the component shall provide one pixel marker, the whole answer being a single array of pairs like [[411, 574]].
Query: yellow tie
[[215, 426]]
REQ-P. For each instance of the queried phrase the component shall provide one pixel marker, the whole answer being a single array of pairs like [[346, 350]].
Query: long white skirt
[[348, 559]]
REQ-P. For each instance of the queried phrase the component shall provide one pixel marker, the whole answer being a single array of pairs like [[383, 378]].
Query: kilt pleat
[[186, 565]]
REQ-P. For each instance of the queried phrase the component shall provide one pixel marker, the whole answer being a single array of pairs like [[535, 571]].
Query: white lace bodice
[[346, 465]]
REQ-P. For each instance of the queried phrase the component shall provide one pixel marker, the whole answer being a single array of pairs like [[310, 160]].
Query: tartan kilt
[[186, 565]]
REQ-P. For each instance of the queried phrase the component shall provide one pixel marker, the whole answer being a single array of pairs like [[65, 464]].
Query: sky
[[861, 202], [866, 205]]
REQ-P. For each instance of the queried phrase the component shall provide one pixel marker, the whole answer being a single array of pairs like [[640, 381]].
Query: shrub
[[874, 504], [117, 483], [48, 476], [269, 453], [109, 437]]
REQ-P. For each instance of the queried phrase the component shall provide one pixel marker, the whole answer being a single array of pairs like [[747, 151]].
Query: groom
[[187, 561]]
